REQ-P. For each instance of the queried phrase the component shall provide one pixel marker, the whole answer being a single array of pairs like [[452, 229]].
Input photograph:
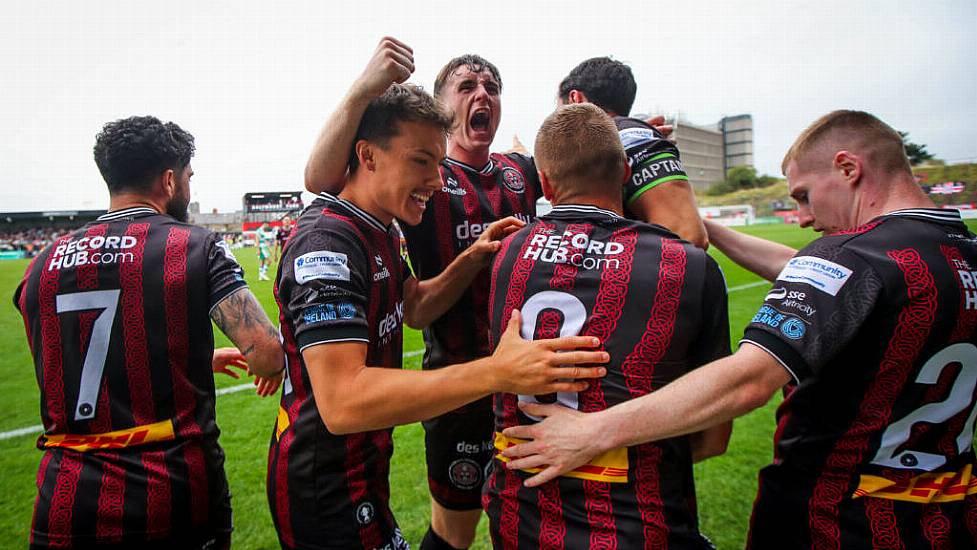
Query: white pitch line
[[746, 286], [222, 391]]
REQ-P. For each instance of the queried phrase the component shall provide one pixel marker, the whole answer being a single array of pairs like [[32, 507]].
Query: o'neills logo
[[92, 250], [512, 179]]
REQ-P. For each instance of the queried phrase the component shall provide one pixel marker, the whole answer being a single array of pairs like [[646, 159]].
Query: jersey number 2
[[574, 315], [98, 343], [961, 396]]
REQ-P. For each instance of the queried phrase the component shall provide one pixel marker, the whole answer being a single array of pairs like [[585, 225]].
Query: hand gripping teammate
[[873, 328], [344, 292]]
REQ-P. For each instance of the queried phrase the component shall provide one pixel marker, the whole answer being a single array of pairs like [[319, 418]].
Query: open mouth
[[420, 199], [480, 120]]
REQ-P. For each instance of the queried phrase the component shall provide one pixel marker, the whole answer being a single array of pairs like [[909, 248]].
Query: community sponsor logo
[[576, 249], [793, 328], [512, 179], [321, 264], [467, 231], [822, 274], [321, 313], [396, 542], [382, 271], [96, 250], [451, 186], [226, 250], [365, 513], [633, 137], [465, 473]]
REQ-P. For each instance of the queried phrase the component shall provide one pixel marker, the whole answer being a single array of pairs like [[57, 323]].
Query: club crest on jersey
[[464, 473], [451, 186], [513, 180], [365, 513]]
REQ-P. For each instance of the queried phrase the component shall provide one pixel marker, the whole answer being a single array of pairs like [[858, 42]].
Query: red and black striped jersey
[[658, 304], [340, 280], [469, 200], [117, 316], [653, 159], [873, 447]]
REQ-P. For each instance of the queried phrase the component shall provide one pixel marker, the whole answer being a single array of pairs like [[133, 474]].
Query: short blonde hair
[[855, 131], [578, 148]]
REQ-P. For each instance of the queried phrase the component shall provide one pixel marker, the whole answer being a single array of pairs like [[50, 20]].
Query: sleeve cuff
[[327, 335], [783, 353], [218, 296]]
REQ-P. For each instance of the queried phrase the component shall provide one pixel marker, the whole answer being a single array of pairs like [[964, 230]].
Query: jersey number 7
[[98, 344]]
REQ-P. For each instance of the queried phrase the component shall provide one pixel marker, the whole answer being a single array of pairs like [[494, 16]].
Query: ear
[[364, 153], [169, 182], [849, 165], [576, 96], [627, 171], [544, 183]]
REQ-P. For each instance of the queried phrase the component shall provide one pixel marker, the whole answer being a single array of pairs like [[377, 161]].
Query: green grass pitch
[[726, 485]]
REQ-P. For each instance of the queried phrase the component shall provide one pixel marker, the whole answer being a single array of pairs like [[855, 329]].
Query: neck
[[898, 193], [475, 159], [357, 191], [121, 201], [600, 201]]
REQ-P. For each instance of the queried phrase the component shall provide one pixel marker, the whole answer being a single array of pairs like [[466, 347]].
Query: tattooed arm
[[241, 318]]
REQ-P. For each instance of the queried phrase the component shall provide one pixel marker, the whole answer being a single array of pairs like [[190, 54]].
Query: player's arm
[[672, 205], [765, 258], [425, 301], [352, 397], [705, 397], [239, 316], [392, 61], [712, 344]]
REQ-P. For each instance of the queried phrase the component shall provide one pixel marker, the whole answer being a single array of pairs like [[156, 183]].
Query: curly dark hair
[[400, 103], [607, 83], [131, 152], [475, 63]]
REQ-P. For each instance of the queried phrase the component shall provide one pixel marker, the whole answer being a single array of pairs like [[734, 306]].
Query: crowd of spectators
[[29, 240]]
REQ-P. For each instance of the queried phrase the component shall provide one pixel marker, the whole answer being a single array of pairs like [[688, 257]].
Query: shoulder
[[524, 162]]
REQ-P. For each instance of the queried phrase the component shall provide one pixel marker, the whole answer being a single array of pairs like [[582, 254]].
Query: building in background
[[708, 151]]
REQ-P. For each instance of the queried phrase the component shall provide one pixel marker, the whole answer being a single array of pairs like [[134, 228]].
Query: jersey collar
[[485, 170], [133, 212], [568, 210], [356, 211], [946, 215]]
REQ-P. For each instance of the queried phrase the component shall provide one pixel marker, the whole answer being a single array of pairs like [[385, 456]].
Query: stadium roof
[[10, 217]]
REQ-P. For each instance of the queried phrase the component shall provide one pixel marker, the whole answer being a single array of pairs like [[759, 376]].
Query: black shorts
[[459, 454]]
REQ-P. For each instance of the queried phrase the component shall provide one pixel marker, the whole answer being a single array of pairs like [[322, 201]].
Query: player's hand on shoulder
[[224, 358], [658, 123], [489, 242], [392, 62], [532, 367]]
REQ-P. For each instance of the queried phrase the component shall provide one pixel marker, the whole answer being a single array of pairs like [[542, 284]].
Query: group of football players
[[576, 364]]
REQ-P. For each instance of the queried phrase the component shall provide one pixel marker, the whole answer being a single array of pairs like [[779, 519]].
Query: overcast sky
[[254, 81]]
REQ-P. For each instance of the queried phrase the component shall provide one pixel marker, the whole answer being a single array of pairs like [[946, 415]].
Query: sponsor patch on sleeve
[[321, 264], [632, 137], [822, 274]]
